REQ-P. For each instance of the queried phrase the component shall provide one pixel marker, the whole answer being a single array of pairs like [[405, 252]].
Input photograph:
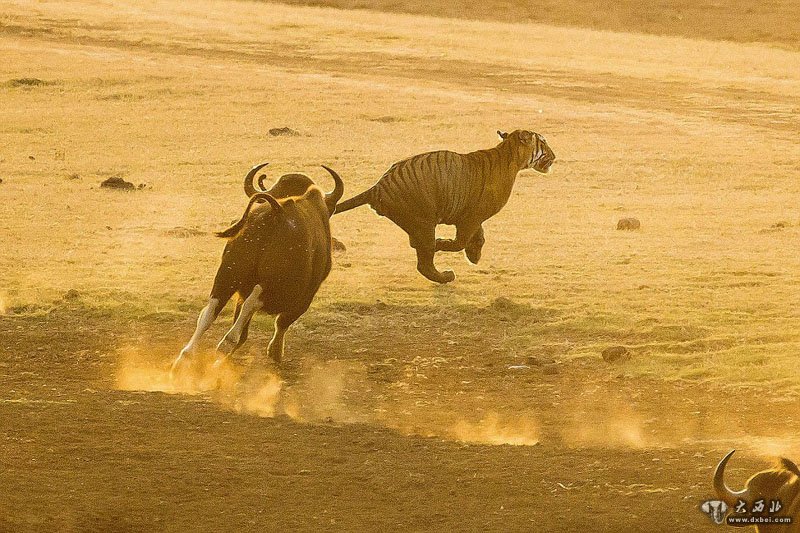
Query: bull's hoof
[[223, 375], [180, 366], [275, 353], [226, 346], [220, 363]]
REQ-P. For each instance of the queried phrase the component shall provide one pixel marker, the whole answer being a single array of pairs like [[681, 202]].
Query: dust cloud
[[259, 391], [321, 390], [617, 427], [494, 429]]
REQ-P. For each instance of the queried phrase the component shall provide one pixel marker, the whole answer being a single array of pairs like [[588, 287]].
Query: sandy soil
[[482, 405], [776, 23]]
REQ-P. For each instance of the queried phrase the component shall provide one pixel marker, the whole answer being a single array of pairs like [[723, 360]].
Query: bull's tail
[[358, 200], [234, 230]]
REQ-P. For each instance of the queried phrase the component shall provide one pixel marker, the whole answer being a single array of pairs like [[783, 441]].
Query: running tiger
[[444, 187]]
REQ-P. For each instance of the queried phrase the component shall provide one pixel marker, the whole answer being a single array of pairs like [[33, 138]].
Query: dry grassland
[[696, 138]]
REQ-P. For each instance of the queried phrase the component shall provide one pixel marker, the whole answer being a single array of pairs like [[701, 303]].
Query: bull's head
[[293, 185], [249, 188], [779, 483]]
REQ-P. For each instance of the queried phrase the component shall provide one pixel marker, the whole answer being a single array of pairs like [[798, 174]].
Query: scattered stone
[[73, 177], [550, 370], [27, 82], [506, 305], [615, 353], [338, 246], [118, 183], [387, 119], [518, 367], [182, 232], [534, 360], [71, 294], [629, 224], [1, 180], [31, 158], [285, 131]]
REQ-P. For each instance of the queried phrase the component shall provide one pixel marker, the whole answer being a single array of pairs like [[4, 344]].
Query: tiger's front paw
[[473, 255], [446, 277]]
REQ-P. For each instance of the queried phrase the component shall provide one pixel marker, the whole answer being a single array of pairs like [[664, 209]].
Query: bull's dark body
[[277, 256], [288, 254]]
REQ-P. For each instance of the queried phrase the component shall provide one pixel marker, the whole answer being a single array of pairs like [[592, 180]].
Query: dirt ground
[[480, 405]]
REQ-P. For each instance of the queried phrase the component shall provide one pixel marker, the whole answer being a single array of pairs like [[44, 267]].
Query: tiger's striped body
[[445, 187]]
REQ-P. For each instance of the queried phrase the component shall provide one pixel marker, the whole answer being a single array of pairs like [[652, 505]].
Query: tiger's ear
[[502, 135]]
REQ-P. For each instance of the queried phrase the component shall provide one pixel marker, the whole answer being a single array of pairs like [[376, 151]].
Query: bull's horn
[[723, 492], [261, 180], [336, 194], [786, 464], [249, 189], [278, 208]]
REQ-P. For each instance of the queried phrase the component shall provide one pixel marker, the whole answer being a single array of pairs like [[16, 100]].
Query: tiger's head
[[531, 148]]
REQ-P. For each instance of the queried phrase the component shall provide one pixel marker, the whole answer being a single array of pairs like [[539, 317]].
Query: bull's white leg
[[204, 321], [231, 339], [275, 348]]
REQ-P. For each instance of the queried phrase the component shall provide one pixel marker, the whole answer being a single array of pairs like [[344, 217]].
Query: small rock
[[615, 353], [506, 305], [550, 370], [387, 119], [26, 82], [31, 158], [1, 180], [628, 224], [277, 132], [534, 360], [71, 294], [182, 232], [118, 183], [338, 246], [73, 177]]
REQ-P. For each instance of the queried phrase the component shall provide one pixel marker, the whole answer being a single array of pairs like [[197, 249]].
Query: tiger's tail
[[356, 201]]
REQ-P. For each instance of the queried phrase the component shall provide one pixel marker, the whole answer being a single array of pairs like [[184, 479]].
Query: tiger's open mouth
[[542, 165]]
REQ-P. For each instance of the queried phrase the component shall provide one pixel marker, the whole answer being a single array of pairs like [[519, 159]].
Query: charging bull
[[781, 484], [277, 256]]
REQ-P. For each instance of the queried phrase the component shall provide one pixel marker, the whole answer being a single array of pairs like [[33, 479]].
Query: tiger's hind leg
[[422, 238], [474, 246], [464, 235]]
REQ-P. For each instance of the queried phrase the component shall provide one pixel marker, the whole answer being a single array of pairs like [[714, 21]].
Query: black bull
[[277, 256]]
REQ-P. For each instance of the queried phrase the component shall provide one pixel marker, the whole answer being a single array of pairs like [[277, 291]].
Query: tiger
[[445, 187]]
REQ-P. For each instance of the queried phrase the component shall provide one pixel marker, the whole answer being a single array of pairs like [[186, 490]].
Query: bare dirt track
[[79, 455], [483, 405], [775, 23]]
